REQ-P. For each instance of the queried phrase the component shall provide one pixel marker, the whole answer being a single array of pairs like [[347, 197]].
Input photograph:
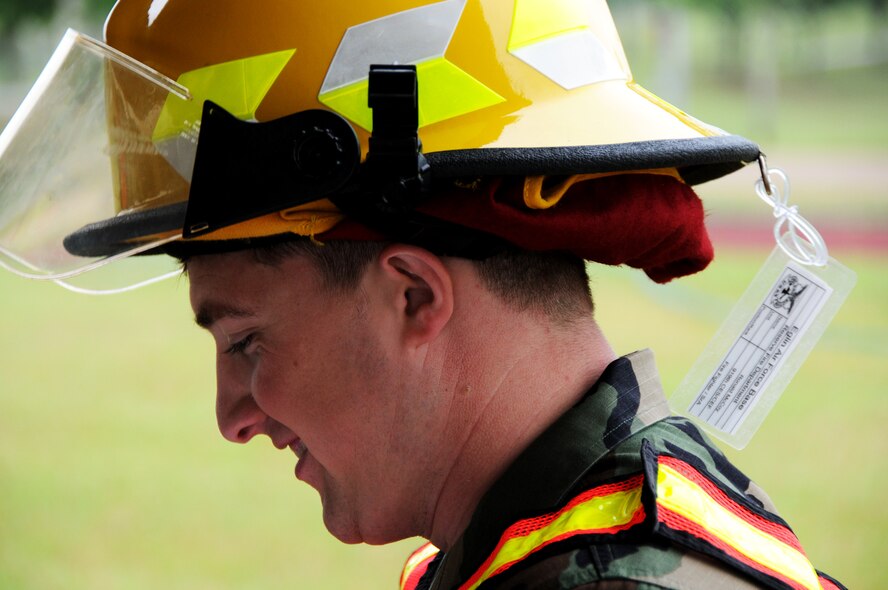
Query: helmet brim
[[697, 160]]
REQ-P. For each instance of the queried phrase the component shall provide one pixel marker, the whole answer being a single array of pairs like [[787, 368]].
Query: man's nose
[[241, 420], [238, 416]]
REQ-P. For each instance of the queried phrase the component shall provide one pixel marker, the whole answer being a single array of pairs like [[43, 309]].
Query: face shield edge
[[80, 270], [40, 85], [135, 66]]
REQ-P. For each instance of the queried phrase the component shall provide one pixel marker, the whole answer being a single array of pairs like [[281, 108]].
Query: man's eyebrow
[[211, 312]]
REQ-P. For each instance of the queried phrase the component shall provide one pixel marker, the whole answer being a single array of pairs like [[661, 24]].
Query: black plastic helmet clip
[[246, 169], [396, 175], [395, 164]]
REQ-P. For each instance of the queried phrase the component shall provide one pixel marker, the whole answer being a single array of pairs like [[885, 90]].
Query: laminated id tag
[[767, 336]]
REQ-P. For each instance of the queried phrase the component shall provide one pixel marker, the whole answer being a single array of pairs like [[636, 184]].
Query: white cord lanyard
[[794, 234]]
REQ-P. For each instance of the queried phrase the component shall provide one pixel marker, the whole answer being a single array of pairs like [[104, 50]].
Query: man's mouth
[[298, 447], [300, 450]]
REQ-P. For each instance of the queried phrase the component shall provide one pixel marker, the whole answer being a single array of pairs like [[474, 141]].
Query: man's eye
[[240, 345]]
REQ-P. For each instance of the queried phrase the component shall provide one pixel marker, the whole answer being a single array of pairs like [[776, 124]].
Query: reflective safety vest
[[684, 505], [416, 566]]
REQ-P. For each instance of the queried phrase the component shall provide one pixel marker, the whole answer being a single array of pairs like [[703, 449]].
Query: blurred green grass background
[[112, 473]]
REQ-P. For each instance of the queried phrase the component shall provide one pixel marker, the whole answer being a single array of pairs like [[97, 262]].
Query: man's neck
[[532, 380]]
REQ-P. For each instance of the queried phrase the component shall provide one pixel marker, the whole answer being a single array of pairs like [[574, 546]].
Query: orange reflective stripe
[[416, 566], [687, 501], [607, 509]]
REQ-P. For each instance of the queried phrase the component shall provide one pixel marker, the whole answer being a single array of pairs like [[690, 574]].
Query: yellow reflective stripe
[[688, 499], [420, 555], [237, 86], [445, 91], [351, 102], [537, 20], [594, 515]]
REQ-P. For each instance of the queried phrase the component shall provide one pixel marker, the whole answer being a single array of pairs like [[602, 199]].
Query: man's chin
[[352, 534], [344, 532]]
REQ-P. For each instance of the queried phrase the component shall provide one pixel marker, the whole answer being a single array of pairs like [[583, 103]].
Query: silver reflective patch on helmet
[[407, 37], [572, 60]]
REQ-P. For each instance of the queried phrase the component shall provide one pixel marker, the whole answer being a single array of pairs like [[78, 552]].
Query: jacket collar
[[627, 397]]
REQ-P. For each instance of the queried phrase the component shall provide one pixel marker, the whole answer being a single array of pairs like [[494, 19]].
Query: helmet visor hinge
[[243, 170]]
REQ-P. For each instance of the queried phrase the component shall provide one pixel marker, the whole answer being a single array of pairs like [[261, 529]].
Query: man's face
[[317, 372]]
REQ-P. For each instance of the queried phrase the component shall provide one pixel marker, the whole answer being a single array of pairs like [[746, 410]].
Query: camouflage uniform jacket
[[610, 435]]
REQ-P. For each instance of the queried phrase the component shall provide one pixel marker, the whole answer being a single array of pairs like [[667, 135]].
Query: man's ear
[[422, 290]]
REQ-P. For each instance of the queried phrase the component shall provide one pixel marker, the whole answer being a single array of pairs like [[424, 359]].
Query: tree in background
[[16, 14], [97, 10], [13, 14], [754, 48], [739, 18]]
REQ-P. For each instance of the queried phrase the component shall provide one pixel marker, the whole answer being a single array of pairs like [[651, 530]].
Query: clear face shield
[[88, 147], [101, 163]]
